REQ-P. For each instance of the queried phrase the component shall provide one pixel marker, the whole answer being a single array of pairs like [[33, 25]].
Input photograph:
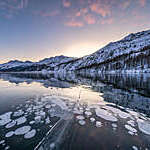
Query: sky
[[37, 29]]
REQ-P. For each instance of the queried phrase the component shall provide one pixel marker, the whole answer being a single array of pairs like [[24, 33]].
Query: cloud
[[99, 8], [89, 19], [66, 3], [48, 13], [107, 21], [142, 3], [74, 23], [125, 4]]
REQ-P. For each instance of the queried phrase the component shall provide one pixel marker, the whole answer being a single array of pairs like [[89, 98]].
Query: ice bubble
[[92, 119], [105, 115], [130, 128], [5, 118], [1, 142], [131, 133], [88, 113], [30, 134], [82, 122], [21, 120], [48, 106], [11, 124], [114, 125], [9, 134], [42, 114], [131, 122], [37, 119], [22, 130], [7, 147], [52, 145], [134, 148], [98, 124], [80, 117], [32, 122], [47, 120], [144, 126], [18, 113]]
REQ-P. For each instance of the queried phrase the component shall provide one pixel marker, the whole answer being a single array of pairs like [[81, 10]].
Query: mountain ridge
[[130, 53]]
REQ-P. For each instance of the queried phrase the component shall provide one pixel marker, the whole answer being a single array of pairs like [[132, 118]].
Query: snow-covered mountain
[[46, 63], [131, 54]]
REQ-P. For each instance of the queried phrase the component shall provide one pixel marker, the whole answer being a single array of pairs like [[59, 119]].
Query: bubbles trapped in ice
[[88, 113], [130, 129], [82, 122], [98, 124], [80, 117], [105, 115], [131, 122], [30, 134], [21, 120], [47, 120], [5, 118], [7, 147], [22, 130], [52, 145], [114, 125], [134, 148], [1, 142], [32, 122], [18, 113], [144, 126], [92, 119], [11, 124], [37, 119], [9, 134]]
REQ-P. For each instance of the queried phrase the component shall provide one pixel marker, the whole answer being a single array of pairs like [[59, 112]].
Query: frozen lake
[[69, 112]]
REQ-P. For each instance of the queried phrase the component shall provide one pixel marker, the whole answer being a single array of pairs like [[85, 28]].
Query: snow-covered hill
[[131, 54]]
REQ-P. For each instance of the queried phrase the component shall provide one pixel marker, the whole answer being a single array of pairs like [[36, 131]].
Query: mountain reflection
[[131, 91]]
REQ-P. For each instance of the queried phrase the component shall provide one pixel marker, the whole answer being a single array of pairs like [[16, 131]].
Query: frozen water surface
[[79, 113]]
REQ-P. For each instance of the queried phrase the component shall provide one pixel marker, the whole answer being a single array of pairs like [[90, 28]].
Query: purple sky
[[35, 29]]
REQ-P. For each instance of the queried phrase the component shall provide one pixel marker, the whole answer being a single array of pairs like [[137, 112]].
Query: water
[[70, 112]]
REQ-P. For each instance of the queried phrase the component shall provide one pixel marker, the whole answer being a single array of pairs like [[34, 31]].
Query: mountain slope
[[132, 53]]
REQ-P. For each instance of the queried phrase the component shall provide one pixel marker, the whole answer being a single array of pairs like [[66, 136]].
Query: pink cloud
[[74, 23], [99, 8], [66, 3], [90, 19], [142, 3], [125, 4]]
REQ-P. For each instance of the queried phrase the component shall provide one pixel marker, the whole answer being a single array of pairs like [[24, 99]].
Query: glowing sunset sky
[[35, 29]]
